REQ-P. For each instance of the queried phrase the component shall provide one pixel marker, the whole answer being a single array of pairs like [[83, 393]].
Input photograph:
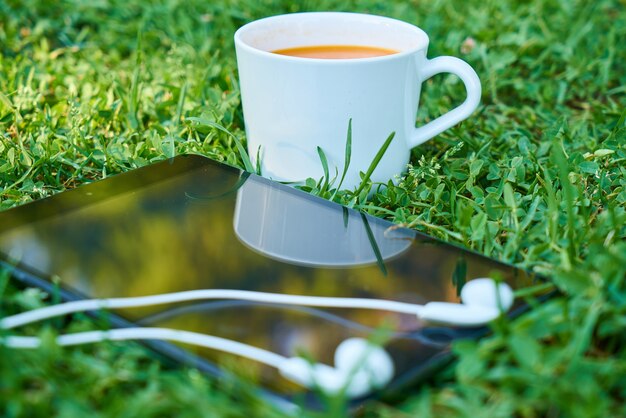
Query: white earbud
[[483, 301], [360, 368]]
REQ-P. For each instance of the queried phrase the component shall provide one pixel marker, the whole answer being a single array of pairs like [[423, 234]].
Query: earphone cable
[[276, 298], [186, 337]]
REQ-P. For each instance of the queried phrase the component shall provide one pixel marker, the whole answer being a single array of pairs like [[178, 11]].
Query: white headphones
[[360, 366]]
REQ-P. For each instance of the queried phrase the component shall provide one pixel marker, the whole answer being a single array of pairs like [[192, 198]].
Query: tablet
[[192, 223]]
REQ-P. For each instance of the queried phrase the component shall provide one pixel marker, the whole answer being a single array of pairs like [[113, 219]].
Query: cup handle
[[472, 87]]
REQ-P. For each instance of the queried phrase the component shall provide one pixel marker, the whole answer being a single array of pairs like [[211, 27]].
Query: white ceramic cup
[[293, 105]]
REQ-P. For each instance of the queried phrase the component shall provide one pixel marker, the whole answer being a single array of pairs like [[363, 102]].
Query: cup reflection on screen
[[298, 229]]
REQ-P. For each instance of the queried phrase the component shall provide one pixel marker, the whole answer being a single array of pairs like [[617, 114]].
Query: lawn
[[536, 177]]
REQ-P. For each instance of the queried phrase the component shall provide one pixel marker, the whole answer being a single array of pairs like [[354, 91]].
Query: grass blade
[[348, 153], [459, 275], [133, 98], [324, 161], [6, 101], [560, 161], [372, 239], [242, 150], [257, 169], [181, 104], [374, 164]]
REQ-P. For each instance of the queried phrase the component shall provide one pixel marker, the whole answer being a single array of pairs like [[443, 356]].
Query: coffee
[[336, 51]]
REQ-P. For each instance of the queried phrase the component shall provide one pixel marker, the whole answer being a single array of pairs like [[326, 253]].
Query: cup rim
[[240, 43]]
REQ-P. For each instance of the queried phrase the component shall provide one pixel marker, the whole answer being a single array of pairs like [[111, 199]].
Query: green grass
[[536, 177]]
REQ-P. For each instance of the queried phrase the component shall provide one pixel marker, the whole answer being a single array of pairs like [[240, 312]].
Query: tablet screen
[[191, 223]]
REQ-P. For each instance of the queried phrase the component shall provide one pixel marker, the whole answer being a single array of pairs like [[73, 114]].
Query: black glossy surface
[[190, 223]]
